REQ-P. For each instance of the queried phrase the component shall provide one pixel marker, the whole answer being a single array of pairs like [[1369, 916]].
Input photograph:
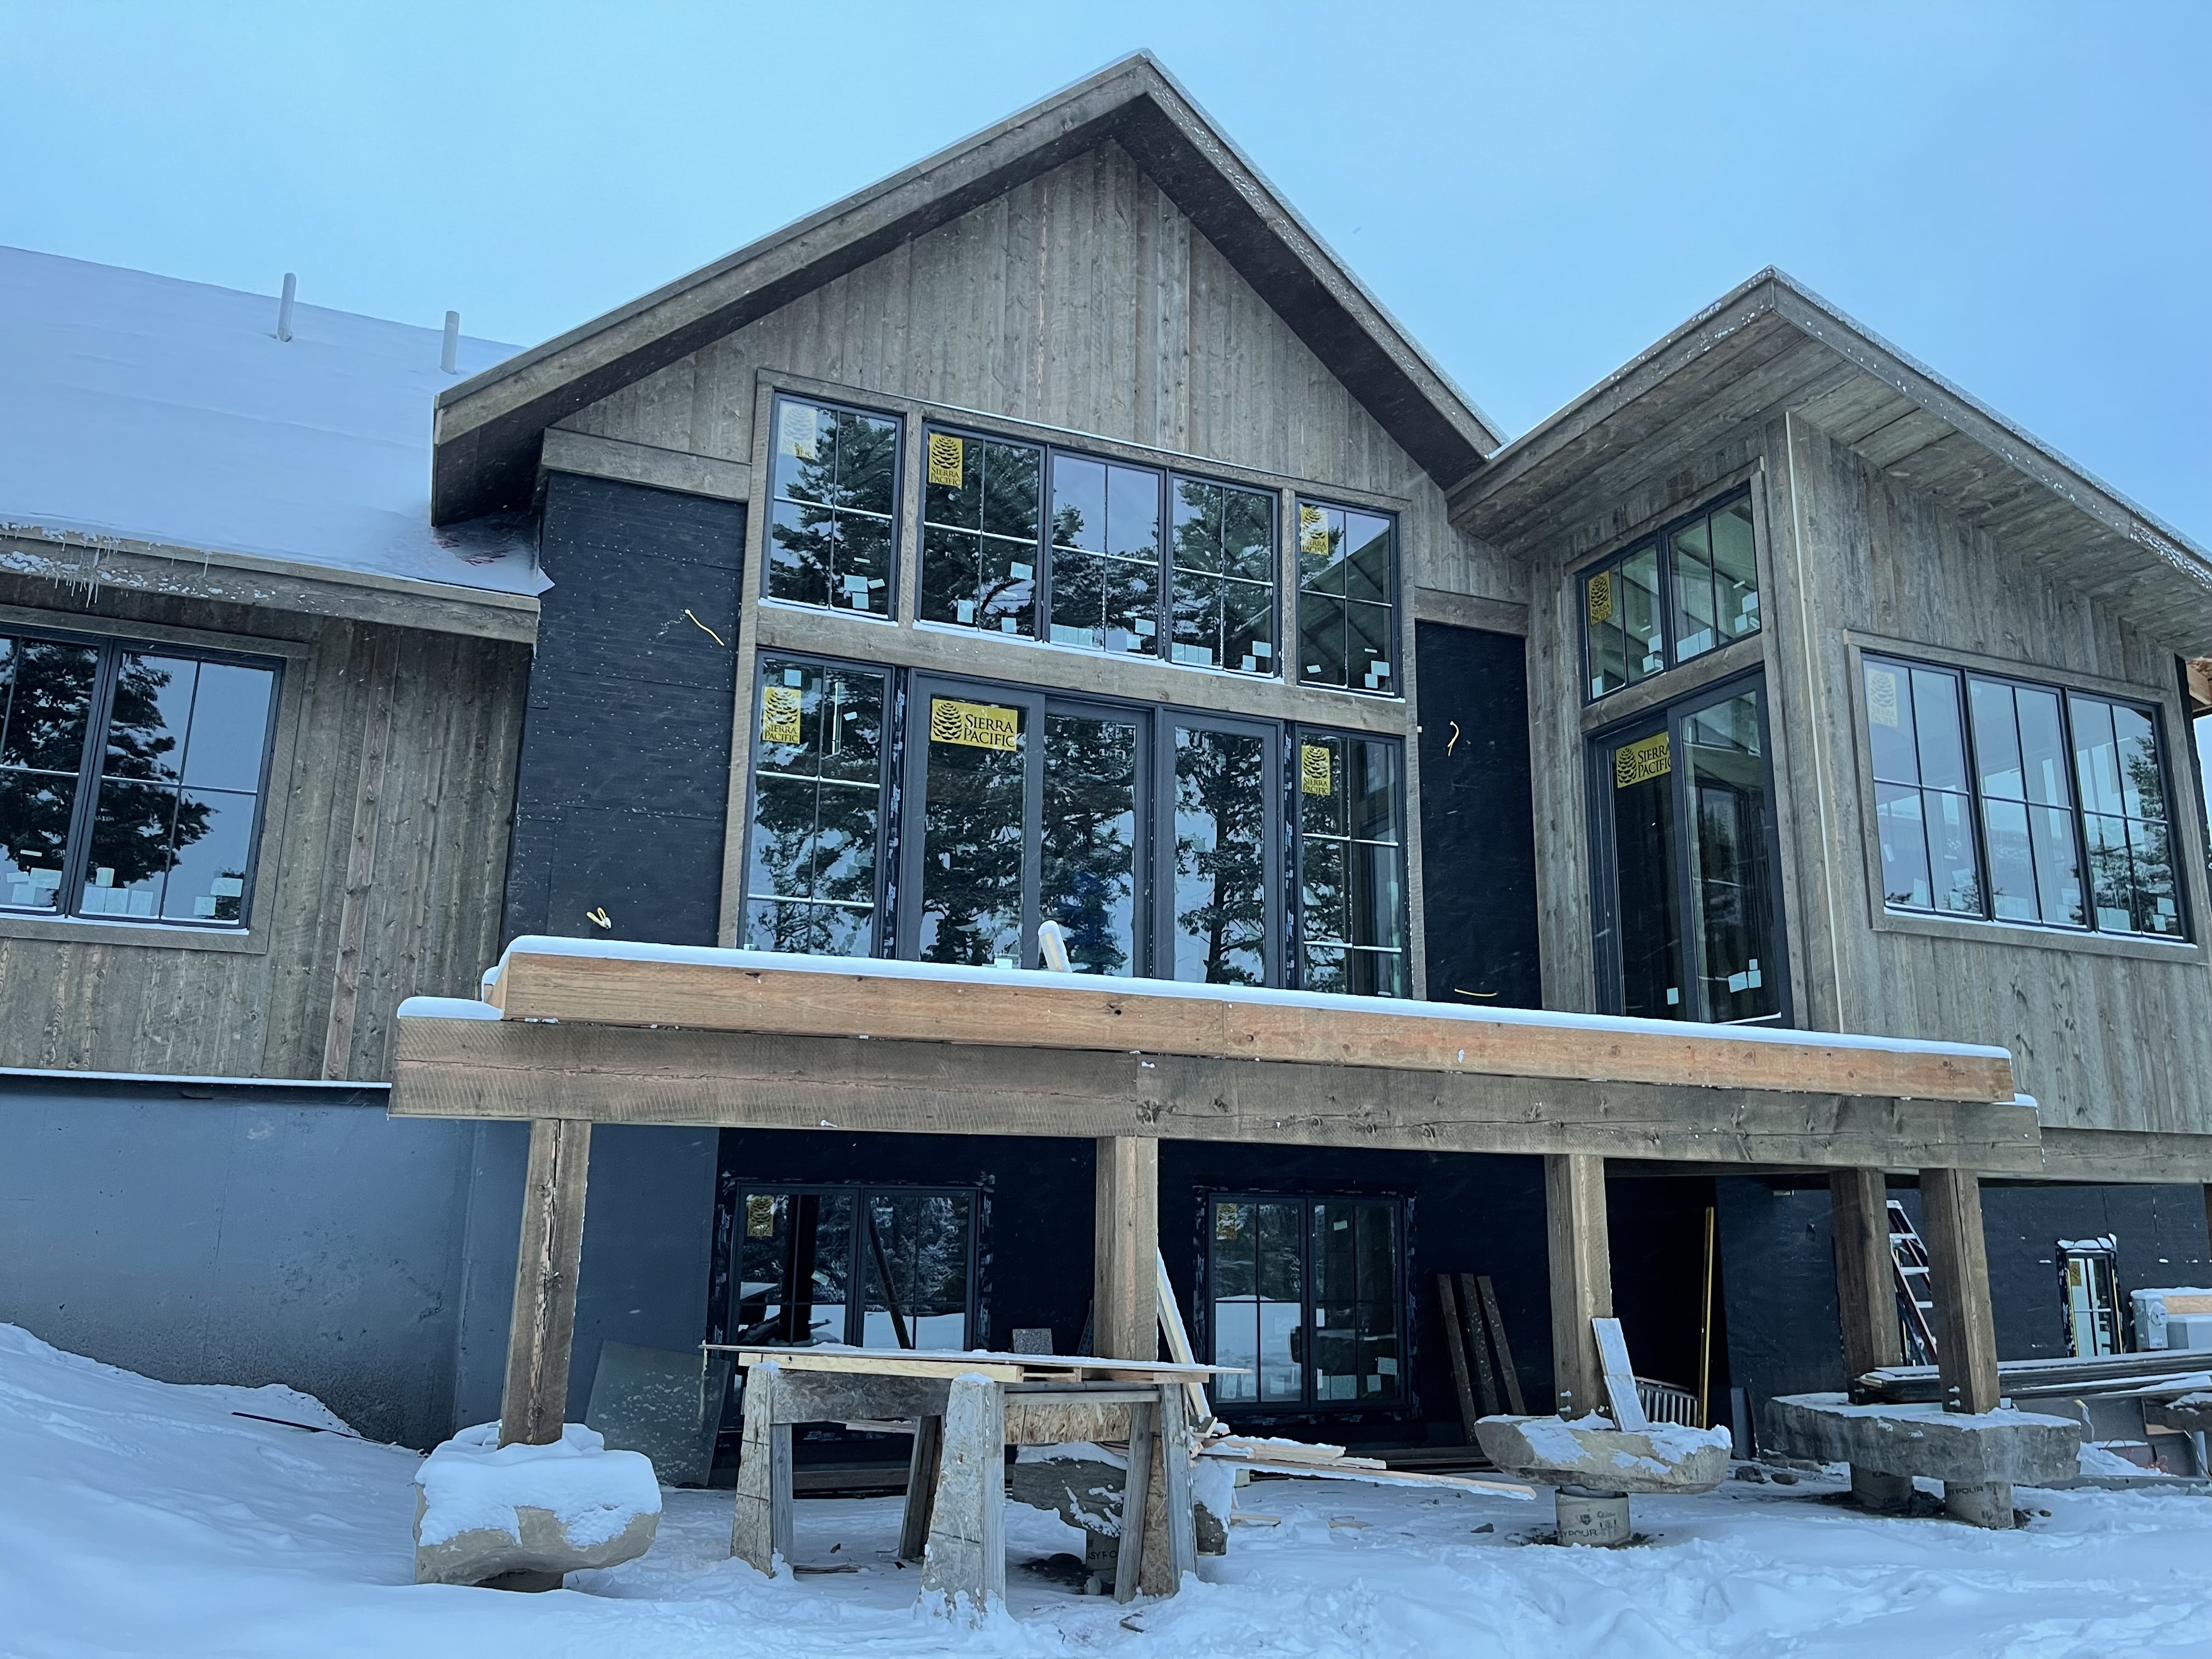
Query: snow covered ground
[[140, 1518]]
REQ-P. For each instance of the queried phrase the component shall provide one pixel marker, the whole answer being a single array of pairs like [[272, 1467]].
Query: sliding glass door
[[1688, 903]]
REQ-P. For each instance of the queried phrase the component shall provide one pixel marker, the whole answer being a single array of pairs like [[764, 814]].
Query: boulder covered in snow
[[483, 1509], [1589, 1451], [1977, 1449]]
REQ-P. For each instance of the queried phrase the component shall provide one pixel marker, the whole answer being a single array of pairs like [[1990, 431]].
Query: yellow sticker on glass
[[977, 725], [1314, 768], [1641, 761], [1882, 697], [779, 707], [1601, 597], [796, 429], [945, 452], [760, 1215], [1313, 531]]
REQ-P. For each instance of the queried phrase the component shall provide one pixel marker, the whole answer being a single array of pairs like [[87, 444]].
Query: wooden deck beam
[[1187, 1020], [478, 1068]]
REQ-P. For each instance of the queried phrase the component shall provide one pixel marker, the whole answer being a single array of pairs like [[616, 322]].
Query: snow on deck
[[143, 409], [139, 1518], [1025, 978]]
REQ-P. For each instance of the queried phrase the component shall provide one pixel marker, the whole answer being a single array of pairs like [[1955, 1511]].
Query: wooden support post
[[1125, 1247], [1866, 1299], [965, 1561], [535, 1402], [1866, 1277], [1965, 1326], [1582, 1275]]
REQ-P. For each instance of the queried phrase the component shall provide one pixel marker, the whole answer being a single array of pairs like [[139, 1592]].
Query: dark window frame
[[1661, 541], [1605, 853], [1168, 476], [111, 649], [897, 516], [1964, 677], [728, 1288], [887, 808], [1395, 604], [1406, 1404], [1296, 733], [902, 799]]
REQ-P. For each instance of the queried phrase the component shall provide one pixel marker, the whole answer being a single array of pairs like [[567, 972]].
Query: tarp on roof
[[148, 409]]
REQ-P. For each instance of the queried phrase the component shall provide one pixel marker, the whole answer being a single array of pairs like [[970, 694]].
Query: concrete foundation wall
[[240, 1233]]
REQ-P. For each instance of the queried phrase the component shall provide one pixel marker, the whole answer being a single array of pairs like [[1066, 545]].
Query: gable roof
[[148, 418], [1772, 344], [488, 427]]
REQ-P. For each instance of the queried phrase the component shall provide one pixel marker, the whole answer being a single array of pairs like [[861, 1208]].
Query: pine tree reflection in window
[[972, 814], [1105, 572], [1224, 574], [1259, 1301], [45, 699], [1220, 853], [811, 870], [981, 502], [1351, 864], [1730, 874], [881, 1267], [831, 526], [1089, 866], [2123, 785]]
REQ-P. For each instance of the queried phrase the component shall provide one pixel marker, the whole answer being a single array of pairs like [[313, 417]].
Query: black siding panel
[[1478, 823], [621, 796]]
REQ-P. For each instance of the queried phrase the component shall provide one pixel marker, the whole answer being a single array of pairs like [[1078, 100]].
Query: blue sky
[[2016, 193]]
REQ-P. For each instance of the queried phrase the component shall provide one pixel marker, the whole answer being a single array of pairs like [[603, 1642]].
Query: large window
[[1689, 912], [1101, 555], [1670, 599], [131, 779], [1352, 861], [1304, 1295], [1348, 599], [879, 1267], [1157, 839], [819, 772], [2004, 800], [832, 524]]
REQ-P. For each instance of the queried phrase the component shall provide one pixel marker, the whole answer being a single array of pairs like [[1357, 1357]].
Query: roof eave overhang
[[488, 427], [1771, 346]]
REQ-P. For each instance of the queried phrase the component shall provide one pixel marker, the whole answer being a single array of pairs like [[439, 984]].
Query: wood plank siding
[[1081, 303], [388, 818]]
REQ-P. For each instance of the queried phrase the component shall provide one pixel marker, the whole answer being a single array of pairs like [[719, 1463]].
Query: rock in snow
[[485, 1508]]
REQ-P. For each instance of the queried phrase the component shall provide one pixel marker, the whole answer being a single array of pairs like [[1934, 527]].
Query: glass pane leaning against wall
[[1993, 796], [832, 521], [816, 829], [167, 831]]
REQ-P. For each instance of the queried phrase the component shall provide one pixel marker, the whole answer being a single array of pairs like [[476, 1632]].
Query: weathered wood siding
[[2102, 1040], [1082, 301], [391, 826]]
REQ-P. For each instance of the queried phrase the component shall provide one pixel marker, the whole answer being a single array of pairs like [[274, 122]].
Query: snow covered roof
[[164, 416]]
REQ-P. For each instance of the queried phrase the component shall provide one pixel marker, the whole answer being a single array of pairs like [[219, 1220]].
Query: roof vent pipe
[[284, 306], [449, 353]]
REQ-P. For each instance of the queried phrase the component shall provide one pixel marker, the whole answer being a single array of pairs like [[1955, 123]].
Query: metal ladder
[[1908, 1258]]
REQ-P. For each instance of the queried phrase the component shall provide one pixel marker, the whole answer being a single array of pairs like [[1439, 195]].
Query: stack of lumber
[[2038, 1379], [1296, 1457]]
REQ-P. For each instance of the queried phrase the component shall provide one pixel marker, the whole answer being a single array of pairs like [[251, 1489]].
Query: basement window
[[132, 780], [1999, 799], [1670, 598], [878, 1266], [832, 533], [1303, 1295]]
